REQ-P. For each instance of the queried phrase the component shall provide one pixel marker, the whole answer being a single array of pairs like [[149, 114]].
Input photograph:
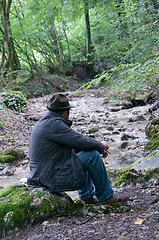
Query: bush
[[16, 101]]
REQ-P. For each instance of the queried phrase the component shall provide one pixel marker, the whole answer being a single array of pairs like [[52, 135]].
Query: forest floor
[[140, 222]]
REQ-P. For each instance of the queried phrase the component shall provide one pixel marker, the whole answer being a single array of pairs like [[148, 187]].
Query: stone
[[118, 105], [123, 145], [146, 163], [109, 128], [93, 130], [140, 118], [36, 237], [124, 137], [21, 206], [8, 171]]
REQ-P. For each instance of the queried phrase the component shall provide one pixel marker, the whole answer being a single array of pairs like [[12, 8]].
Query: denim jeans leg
[[97, 176], [87, 191]]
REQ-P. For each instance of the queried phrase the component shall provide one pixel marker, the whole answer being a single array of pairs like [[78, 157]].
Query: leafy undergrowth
[[42, 85]]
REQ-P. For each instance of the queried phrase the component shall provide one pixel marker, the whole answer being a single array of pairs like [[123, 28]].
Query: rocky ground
[[125, 132], [141, 222]]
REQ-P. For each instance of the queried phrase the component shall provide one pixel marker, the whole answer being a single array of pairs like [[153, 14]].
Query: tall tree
[[88, 31], [10, 60]]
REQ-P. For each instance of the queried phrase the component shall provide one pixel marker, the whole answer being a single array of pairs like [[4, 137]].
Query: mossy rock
[[21, 206], [93, 130], [11, 154], [154, 143], [123, 176], [153, 153], [148, 174], [152, 128], [136, 173]]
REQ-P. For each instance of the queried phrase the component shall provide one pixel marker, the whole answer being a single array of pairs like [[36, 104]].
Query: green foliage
[[10, 138], [123, 33], [127, 78], [15, 100]]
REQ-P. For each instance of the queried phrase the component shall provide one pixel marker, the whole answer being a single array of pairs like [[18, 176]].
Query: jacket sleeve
[[64, 135]]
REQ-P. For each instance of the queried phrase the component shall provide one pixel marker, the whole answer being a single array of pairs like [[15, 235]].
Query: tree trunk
[[68, 46], [89, 39], [11, 59], [90, 48], [58, 44]]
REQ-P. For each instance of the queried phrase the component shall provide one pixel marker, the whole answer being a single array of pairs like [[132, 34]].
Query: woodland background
[[81, 39]]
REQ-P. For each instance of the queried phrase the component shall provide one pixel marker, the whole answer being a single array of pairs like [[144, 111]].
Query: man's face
[[66, 114]]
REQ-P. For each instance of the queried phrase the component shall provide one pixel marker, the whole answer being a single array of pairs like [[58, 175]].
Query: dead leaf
[[139, 221]]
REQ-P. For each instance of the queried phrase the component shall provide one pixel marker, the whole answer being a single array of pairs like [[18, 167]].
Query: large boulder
[[142, 170], [149, 162], [21, 206]]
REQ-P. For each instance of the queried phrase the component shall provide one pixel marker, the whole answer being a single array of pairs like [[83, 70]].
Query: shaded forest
[[82, 38]]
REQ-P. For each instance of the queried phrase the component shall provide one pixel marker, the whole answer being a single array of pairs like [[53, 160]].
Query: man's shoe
[[91, 200], [116, 197]]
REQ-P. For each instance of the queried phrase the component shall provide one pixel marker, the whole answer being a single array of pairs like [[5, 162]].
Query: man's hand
[[106, 147]]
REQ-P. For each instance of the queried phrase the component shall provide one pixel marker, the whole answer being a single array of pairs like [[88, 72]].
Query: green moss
[[11, 154], [152, 154], [152, 128], [6, 158], [152, 144], [123, 175], [21, 205], [148, 174], [116, 204]]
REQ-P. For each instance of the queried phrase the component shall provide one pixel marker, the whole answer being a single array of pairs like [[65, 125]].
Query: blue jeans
[[97, 180]]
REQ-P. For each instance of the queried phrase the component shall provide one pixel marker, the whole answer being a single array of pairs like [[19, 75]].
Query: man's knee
[[95, 153], [92, 153]]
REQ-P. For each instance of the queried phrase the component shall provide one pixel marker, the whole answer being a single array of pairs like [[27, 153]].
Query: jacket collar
[[67, 121]]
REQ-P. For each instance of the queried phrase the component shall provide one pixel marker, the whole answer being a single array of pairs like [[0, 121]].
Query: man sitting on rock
[[62, 159]]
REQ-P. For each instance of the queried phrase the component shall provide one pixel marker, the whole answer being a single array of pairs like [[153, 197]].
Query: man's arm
[[64, 135]]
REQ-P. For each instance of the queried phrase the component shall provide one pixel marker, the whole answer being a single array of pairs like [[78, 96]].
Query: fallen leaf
[[139, 221]]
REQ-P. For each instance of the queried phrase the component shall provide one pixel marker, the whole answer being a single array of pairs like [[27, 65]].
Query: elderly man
[[62, 159]]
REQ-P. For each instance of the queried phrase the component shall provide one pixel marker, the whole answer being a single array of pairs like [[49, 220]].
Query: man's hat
[[58, 102]]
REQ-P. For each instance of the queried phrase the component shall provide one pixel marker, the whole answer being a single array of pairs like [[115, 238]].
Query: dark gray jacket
[[53, 162]]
